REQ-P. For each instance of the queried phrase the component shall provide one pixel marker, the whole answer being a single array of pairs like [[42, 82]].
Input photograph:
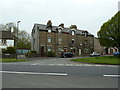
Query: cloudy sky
[[86, 14]]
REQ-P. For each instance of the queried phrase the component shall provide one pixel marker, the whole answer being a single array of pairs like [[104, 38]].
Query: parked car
[[116, 53], [67, 54], [94, 54]]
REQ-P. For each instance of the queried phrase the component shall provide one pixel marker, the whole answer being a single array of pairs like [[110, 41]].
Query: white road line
[[87, 65], [111, 75], [78, 65], [37, 63], [51, 64], [72, 65], [33, 73], [34, 64], [60, 64], [43, 63]]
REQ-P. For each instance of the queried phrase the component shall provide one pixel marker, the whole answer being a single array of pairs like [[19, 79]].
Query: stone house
[[102, 49], [5, 40], [58, 39]]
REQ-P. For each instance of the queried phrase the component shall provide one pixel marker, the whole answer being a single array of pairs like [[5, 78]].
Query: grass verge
[[12, 60], [113, 60]]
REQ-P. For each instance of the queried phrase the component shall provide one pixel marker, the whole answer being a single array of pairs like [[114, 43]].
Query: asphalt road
[[75, 76], [58, 73]]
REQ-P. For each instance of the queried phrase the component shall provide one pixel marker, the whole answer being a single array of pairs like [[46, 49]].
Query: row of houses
[[58, 39]]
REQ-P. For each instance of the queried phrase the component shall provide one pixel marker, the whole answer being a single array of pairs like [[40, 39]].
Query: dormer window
[[85, 33], [49, 30], [59, 31], [73, 33]]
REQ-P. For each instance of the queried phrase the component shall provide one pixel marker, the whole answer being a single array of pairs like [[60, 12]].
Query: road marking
[[78, 65], [34, 64], [37, 63], [72, 65], [111, 75], [51, 64], [42, 63], [33, 73], [60, 64]]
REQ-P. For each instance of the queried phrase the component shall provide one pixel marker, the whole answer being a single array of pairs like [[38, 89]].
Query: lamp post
[[17, 38]]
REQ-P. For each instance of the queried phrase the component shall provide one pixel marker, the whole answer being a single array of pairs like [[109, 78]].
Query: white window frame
[[73, 41], [59, 40], [49, 31], [73, 33], [49, 39], [59, 30], [49, 48]]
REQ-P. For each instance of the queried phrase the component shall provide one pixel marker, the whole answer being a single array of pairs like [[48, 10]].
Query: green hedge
[[9, 50], [32, 51], [31, 54], [50, 54]]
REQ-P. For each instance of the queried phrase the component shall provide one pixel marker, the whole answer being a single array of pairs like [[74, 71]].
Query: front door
[[42, 51], [80, 53]]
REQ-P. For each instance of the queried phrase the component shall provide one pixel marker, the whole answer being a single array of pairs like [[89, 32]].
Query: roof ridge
[[65, 29]]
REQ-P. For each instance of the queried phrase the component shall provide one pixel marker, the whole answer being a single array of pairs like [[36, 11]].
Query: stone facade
[[97, 47], [60, 39], [6, 39]]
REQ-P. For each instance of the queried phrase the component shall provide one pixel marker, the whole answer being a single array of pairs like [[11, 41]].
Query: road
[[53, 73]]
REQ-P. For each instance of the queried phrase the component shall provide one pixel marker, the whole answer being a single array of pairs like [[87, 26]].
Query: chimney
[[62, 25], [49, 23], [73, 27]]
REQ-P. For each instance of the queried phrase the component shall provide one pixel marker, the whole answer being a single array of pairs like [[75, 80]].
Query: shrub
[[10, 50], [51, 54], [110, 57], [96, 57], [28, 54], [31, 54], [32, 51]]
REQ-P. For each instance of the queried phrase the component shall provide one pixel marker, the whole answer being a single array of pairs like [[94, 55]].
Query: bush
[[31, 54], [32, 51], [9, 50], [28, 54], [51, 54]]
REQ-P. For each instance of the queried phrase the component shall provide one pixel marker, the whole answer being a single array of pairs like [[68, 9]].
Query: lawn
[[113, 60], [12, 60]]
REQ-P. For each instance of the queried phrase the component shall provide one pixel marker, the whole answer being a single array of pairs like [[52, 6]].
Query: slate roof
[[54, 28], [6, 35]]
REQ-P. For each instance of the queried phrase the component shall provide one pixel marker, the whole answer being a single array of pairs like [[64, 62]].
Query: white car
[[94, 54]]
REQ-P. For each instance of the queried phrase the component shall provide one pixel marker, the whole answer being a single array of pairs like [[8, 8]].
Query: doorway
[[42, 51]]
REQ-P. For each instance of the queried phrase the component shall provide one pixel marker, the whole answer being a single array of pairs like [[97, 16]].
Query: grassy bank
[[12, 60], [114, 60]]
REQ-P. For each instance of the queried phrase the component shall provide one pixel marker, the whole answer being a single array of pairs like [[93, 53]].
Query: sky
[[86, 14]]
